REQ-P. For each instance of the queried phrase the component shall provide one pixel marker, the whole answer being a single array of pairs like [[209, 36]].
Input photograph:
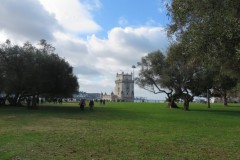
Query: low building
[[88, 96], [111, 97], [220, 100], [216, 100]]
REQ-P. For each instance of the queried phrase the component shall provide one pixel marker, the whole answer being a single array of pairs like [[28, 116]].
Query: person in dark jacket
[[91, 104], [82, 104]]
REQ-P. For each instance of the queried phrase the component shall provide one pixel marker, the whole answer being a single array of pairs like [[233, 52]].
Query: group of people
[[102, 101], [82, 104]]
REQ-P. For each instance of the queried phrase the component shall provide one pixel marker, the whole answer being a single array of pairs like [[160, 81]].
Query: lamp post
[[208, 98], [133, 67]]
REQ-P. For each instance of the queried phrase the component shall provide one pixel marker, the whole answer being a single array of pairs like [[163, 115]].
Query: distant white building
[[215, 100], [110, 97], [220, 100], [124, 89], [237, 99]]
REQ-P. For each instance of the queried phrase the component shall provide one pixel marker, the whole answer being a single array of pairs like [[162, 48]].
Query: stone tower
[[124, 89]]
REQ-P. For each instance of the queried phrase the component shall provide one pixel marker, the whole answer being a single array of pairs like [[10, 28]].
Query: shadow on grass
[[74, 112], [219, 111], [110, 113]]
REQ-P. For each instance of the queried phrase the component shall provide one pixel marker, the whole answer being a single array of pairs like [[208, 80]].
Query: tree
[[1, 71], [12, 68], [30, 71], [223, 85], [184, 74], [211, 30], [150, 76], [178, 74], [235, 92]]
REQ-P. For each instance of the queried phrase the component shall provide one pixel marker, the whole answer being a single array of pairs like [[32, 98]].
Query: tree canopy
[[176, 74], [205, 54], [209, 28], [211, 31], [29, 70]]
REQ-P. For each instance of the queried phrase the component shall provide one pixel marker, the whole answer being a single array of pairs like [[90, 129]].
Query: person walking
[[91, 104], [82, 104]]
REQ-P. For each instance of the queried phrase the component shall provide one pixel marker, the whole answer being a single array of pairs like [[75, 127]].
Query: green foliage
[[152, 67], [210, 31], [28, 70], [178, 74], [210, 28], [120, 131], [205, 55]]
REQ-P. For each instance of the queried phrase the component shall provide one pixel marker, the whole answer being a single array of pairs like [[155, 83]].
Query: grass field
[[125, 131]]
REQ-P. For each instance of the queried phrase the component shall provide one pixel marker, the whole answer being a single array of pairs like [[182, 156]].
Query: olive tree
[[32, 71], [211, 30]]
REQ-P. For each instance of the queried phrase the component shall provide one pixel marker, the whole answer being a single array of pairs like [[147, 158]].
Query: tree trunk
[[171, 103], [208, 103], [28, 100], [35, 102], [208, 98], [13, 100], [186, 105], [225, 102], [3, 100]]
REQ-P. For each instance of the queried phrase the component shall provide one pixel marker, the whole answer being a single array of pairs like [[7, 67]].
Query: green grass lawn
[[120, 131]]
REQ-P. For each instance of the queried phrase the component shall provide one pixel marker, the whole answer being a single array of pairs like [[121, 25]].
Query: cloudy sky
[[99, 38]]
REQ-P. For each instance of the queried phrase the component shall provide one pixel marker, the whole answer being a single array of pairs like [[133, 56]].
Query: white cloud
[[72, 15], [70, 47], [92, 4], [3, 36], [123, 21], [122, 48], [95, 60], [26, 20], [126, 44]]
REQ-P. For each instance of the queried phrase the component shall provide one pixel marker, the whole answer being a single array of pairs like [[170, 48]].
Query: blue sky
[[97, 37], [133, 12]]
